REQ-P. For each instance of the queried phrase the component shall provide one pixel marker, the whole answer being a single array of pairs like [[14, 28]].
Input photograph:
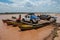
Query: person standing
[[19, 19]]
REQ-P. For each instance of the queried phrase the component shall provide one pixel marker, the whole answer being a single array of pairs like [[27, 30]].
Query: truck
[[31, 18]]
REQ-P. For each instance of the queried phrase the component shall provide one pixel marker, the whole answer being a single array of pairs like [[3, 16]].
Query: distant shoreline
[[30, 12]]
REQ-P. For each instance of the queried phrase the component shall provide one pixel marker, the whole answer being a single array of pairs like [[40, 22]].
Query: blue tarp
[[33, 17]]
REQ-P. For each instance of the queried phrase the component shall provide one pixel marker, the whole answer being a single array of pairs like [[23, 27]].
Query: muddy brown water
[[14, 33]]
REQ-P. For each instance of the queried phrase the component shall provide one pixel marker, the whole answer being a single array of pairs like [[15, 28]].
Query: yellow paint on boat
[[25, 25]]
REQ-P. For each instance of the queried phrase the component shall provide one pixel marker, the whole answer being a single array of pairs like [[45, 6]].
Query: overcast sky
[[29, 5]]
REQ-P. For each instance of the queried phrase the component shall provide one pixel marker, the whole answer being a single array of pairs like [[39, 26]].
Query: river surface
[[14, 33]]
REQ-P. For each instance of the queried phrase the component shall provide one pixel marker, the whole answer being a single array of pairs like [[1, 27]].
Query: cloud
[[22, 3], [27, 5]]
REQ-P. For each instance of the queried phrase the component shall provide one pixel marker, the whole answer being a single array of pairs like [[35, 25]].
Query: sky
[[29, 6]]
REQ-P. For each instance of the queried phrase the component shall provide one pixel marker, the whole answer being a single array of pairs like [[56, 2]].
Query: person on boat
[[19, 19]]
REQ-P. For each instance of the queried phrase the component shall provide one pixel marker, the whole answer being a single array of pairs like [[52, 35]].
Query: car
[[44, 17]]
